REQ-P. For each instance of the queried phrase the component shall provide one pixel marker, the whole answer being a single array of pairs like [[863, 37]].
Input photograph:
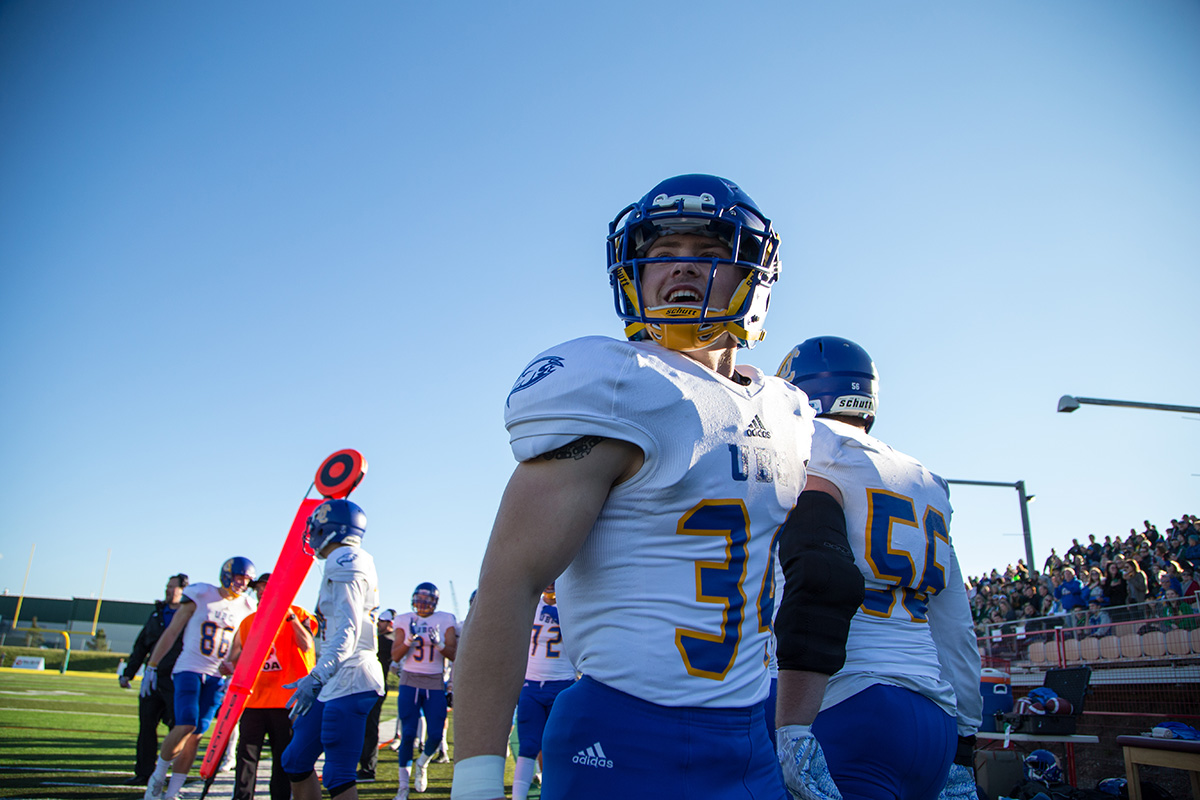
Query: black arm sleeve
[[142, 647], [822, 586]]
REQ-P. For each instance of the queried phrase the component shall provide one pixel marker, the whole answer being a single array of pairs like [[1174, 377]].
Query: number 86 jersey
[[209, 631], [670, 597]]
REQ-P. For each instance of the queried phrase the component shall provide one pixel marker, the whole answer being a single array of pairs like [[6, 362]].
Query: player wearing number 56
[[911, 663], [207, 619], [652, 476]]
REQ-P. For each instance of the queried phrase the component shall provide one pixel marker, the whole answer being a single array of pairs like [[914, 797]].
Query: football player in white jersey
[[429, 638], [547, 673], [330, 705], [653, 475], [912, 664], [207, 619]]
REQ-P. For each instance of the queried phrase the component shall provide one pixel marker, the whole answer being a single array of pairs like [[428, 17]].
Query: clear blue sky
[[236, 238]]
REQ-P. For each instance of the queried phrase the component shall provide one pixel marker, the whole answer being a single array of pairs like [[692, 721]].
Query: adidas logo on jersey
[[758, 429], [593, 757]]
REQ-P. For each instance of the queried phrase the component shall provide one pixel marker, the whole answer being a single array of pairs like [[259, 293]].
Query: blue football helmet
[[425, 599], [334, 521], [1042, 766], [708, 206], [238, 565], [837, 375]]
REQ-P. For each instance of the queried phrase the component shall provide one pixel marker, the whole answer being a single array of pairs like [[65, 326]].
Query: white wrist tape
[[478, 778]]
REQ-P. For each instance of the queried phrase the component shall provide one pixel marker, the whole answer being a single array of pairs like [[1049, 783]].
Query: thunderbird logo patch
[[539, 370]]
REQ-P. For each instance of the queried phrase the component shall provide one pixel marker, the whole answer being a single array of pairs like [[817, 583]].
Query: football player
[[911, 658], [206, 619], [329, 706], [429, 638], [547, 673], [652, 476]]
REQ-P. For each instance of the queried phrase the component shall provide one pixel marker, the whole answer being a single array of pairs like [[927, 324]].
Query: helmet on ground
[[238, 565], [334, 521], [837, 375], [1042, 766], [425, 599], [708, 206]]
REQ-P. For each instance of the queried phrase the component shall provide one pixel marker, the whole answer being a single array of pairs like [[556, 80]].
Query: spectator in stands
[[1191, 551], [1180, 611], [1070, 592], [1168, 581], [1052, 561], [1137, 586], [1034, 624], [1094, 589], [158, 705], [1093, 552], [1145, 557], [1160, 557], [1187, 579], [1076, 549], [1099, 623], [1115, 592], [1007, 612]]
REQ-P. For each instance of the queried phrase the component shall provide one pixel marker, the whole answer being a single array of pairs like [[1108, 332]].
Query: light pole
[[1068, 403], [1024, 500]]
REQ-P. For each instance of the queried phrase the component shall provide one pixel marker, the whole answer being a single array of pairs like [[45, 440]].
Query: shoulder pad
[[570, 391], [345, 564]]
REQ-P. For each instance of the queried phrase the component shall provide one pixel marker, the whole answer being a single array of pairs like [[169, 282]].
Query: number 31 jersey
[[898, 522], [670, 597], [209, 631]]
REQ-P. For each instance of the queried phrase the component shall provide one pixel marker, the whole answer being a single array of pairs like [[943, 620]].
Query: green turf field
[[72, 736]]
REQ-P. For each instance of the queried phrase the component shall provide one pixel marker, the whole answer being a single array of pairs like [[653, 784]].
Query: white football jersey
[[423, 658], [209, 632], [669, 597], [914, 627], [348, 660], [547, 661]]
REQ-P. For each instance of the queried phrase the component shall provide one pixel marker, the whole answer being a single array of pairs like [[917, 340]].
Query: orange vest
[[286, 662]]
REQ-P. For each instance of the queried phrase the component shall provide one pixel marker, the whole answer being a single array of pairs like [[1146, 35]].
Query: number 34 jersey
[[898, 522], [209, 631], [670, 597]]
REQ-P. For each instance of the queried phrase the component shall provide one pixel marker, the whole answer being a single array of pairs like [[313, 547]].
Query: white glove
[[395, 668], [149, 681], [804, 769], [960, 784], [435, 638], [307, 689]]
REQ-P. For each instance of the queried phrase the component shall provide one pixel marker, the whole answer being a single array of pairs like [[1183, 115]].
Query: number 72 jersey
[[898, 523], [547, 661]]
